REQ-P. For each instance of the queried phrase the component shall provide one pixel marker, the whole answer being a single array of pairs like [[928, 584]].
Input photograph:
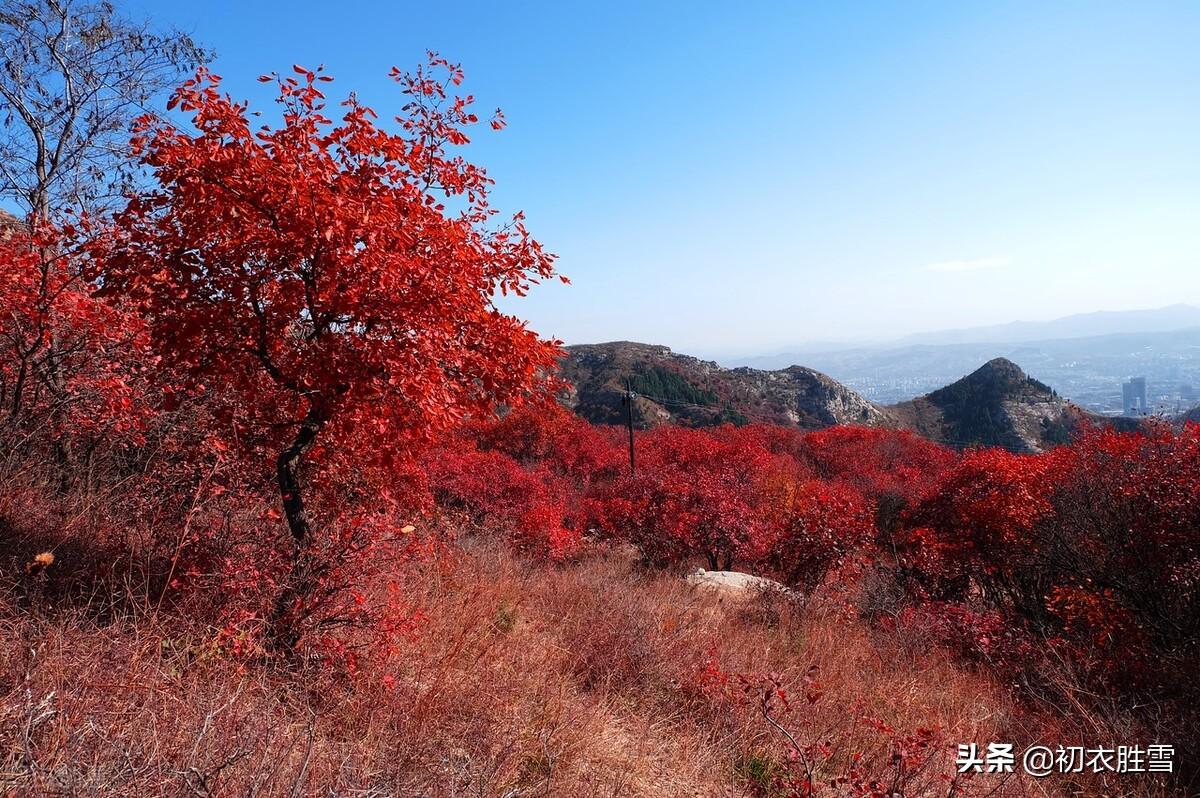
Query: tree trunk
[[284, 630]]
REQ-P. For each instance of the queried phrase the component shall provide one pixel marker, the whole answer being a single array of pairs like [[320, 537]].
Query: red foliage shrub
[[550, 435], [983, 514], [883, 459], [820, 526], [986, 636], [1088, 555], [71, 364], [895, 468], [694, 494], [530, 506]]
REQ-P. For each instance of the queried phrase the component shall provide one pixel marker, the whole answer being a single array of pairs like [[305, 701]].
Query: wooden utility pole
[[628, 402]]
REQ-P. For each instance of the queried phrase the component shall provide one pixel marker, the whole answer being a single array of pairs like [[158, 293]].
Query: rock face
[[675, 388]]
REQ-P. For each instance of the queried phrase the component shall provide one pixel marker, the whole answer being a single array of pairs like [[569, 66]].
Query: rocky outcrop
[[998, 404], [674, 388]]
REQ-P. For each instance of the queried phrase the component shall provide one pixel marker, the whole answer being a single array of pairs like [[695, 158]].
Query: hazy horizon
[[728, 181], [814, 346]]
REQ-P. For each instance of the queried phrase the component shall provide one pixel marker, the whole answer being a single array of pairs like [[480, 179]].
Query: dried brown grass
[[524, 680]]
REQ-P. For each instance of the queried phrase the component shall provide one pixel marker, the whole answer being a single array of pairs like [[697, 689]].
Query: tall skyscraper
[[1133, 395]]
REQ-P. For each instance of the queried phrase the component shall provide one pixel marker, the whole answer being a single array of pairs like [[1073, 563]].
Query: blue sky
[[734, 178]]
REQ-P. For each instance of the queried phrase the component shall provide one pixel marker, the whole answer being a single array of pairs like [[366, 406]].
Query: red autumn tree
[[331, 283]]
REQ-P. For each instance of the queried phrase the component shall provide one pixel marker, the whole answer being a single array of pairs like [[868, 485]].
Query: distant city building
[[1187, 393], [1133, 397]]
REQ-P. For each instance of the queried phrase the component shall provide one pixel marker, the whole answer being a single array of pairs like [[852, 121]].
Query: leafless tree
[[74, 75]]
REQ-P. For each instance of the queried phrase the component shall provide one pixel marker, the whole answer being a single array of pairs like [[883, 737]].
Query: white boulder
[[734, 582]]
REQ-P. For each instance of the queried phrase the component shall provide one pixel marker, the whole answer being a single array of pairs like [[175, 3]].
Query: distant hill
[[996, 405], [674, 388]]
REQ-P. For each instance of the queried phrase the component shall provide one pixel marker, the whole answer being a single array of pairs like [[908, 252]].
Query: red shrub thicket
[[1095, 546], [72, 366], [724, 496], [530, 506], [694, 494], [1075, 571], [895, 468], [1087, 555]]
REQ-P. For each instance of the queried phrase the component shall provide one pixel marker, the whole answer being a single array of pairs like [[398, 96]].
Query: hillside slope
[[996, 405], [674, 388]]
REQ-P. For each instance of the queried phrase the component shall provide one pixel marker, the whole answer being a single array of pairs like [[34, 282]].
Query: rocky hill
[[996, 405], [675, 388]]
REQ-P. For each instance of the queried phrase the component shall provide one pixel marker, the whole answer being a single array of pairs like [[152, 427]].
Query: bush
[[493, 493], [821, 525], [1088, 555], [695, 494]]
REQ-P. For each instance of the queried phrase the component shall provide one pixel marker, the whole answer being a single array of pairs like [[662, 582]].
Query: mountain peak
[[997, 380], [998, 404], [1001, 364], [998, 370]]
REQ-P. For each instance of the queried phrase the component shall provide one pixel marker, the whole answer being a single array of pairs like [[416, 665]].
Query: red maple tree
[[330, 283]]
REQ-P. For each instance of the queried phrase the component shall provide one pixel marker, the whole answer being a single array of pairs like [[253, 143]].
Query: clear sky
[[735, 178]]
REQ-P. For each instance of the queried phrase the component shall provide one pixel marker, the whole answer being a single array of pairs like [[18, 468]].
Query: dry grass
[[524, 681]]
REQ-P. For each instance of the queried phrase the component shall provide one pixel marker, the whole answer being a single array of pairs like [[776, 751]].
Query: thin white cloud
[[975, 265]]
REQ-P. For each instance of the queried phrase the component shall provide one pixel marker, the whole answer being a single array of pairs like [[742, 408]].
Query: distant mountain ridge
[[1081, 325], [996, 405]]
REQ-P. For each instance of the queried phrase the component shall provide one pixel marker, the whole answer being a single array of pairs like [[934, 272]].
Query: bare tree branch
[[74, 76]]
